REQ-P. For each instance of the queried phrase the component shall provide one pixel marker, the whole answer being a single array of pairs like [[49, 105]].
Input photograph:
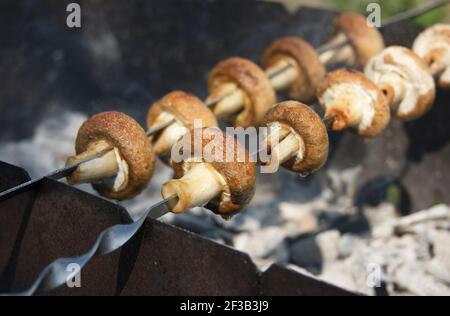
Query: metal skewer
[[406, 15], [55, 175], [415, 12], [66, 170], [109, 240], [158, 128]]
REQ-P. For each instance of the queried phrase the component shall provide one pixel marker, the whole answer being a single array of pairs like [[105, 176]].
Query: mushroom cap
[[185, 107], [366, 40], [124, 133], [252, 80], [307, 60], [238, 171], [433, 45], [306, 123], [412, 72], [348, 88]]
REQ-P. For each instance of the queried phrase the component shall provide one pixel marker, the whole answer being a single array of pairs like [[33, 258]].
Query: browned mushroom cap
[[249, 77], [433, 45], [355, 102], [365, 40], [222, 154], [405, 79], [303, 121], [310, 69], [186, 110], [185, 107], [125, 134]]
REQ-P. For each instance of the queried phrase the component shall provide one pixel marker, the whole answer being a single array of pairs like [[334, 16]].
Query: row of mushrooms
[[396, 81]]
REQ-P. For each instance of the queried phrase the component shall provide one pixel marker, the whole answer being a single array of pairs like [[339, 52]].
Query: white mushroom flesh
[[284, 142], [359, 102], [401, 73], [200, 184], [435, 41], [170, 135]]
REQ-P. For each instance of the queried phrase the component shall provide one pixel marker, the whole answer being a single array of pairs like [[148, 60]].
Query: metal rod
[[109, 240], [158, 128], [415, 12], [406, 15], [212, 102], [55, 175]]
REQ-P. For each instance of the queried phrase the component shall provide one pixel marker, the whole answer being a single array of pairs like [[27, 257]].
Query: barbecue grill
[[50, 219]]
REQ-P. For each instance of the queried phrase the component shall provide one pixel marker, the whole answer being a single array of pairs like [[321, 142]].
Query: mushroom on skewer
[[297, 137], [405, 79], [294, 65], [305, 71], [433, 45], [213, 170], [355, 102], [244, 90], [364, 41], [128, 163], [183, 111]]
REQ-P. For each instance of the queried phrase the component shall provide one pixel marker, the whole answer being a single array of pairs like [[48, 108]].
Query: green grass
[[389, 8]]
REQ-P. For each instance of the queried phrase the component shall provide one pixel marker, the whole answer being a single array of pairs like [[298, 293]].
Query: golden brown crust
[[252, 80], [311, 129], [382, 111], [185, 107], [124, 133], [307, 60], [238, 172], [366, 41]]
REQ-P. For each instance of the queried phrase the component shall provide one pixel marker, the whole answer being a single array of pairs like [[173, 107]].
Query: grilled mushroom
[[365, 41], [306, 73], [405, 79], [213, 170], [247, 90], [185, 111], [433, 45], [354, 102], [128, 163], [297, 137]]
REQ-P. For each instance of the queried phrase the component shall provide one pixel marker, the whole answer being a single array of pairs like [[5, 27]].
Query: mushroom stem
[[276, 133], [169, 136], [230, 104], [340, 55], [197, 187], [283, 144], [288, 148], [96, 169], [283, 73]]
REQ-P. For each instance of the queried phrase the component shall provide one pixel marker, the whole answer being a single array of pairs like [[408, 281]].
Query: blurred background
[[128, 54], [389, 8]]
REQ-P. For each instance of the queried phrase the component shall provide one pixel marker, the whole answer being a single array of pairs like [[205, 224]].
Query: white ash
[[375, 261], [52, 142]]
